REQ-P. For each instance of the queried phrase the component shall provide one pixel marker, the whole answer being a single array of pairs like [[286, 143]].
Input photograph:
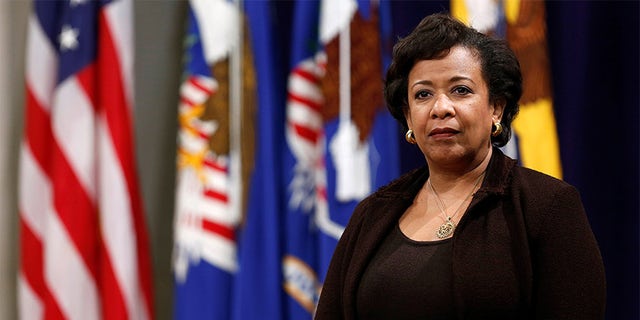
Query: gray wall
[[159, 30], [12, 40], [159, 35]]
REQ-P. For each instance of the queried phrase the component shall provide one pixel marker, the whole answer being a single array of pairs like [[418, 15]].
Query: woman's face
[[449, 109]]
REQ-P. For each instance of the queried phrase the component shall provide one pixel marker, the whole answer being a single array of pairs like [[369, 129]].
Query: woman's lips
[[443, 132]]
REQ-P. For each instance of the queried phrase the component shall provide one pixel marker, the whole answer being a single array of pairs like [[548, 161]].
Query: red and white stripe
[[83, 237], [306, 140], [204, 222], [196, 90], [204, 226], [304, 117]]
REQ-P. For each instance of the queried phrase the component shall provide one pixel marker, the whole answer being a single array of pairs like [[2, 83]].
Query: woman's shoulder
[[507, 172], [546, 202], [537, 190], [538, 181], [542, 193]]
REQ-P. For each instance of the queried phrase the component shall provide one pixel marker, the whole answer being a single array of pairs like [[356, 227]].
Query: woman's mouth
[[443, 132]]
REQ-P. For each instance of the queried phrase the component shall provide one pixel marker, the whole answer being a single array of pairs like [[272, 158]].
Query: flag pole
[[235, 117], [345, 74]]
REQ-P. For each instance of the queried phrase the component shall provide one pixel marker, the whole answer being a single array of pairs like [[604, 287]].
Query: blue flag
[[207, 215], [258, 285]]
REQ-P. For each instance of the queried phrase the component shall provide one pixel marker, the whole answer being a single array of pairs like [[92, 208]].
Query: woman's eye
[[461, 90], [422, 94]]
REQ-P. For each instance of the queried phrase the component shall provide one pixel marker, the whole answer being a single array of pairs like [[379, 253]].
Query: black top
[[522, 250], [407, 279]]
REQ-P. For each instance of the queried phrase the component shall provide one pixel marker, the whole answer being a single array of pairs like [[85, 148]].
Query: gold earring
[[410, 137], [498, 129]]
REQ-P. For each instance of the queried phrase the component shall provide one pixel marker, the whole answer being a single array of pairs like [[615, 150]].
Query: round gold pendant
[[445, 230]]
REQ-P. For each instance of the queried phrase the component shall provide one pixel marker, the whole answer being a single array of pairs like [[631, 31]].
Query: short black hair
[[433, 38]]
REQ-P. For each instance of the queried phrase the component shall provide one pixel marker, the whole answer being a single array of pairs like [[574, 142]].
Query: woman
[[472, 235]]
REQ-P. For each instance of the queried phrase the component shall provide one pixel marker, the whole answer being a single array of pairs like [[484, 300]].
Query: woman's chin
[[445, 156]]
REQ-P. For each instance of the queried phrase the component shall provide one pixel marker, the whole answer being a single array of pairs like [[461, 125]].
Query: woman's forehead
[[459, 62]]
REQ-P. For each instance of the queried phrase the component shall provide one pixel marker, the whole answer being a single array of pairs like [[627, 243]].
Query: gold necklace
[[447, 228]]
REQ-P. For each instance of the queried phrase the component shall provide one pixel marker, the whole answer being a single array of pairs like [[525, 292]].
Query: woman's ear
[[498, 109]]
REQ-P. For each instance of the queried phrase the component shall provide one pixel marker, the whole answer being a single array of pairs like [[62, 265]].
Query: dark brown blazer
[[523, 249]]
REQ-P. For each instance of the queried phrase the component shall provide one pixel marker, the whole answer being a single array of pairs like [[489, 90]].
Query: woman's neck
[[445, 180]]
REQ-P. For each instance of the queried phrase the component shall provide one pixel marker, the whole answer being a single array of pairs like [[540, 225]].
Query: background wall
[[160, 28], [13, 24], [594, 52]]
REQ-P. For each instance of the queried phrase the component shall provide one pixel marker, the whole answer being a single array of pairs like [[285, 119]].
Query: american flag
[[84, 250]]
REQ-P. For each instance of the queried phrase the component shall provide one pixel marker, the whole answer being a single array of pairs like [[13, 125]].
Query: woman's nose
[[442, 107]]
